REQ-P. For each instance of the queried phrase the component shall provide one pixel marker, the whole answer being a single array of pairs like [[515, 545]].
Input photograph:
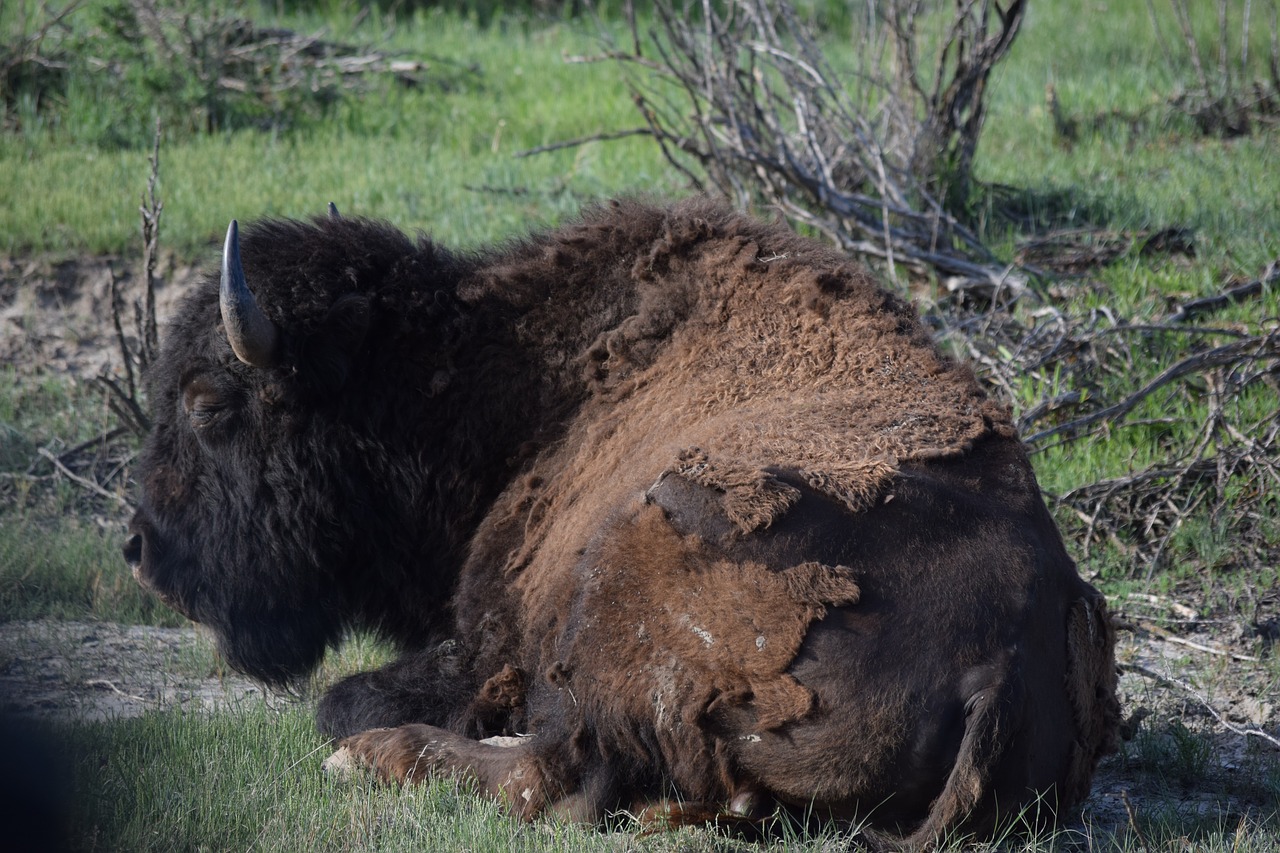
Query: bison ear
[[330, 352]]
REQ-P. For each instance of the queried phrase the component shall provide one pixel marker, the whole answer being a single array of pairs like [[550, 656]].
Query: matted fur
[[737, 323], [686, 496], [668, 633]]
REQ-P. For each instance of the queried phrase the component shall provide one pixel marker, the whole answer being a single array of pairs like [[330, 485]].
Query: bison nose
[[133, 555]]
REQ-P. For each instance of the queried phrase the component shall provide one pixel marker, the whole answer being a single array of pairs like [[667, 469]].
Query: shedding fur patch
[[667, 631], [753, 498], [742, 348], [769, 352]]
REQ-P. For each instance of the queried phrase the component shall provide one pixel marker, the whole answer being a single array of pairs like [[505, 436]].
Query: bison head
[[284, 496]]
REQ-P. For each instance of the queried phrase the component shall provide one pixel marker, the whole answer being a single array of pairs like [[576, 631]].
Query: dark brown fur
[[731, 529]]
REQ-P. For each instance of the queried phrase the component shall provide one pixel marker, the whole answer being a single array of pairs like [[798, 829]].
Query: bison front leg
[[425, 686], [508, 769]]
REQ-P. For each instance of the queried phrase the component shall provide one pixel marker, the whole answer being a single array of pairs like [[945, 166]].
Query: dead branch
[[740, 98], [110, 685], [125, 406], [1151, 630], [130, 392], [1184, 612], [150, 211], [97, 441], [1167, 681], [1257, 347], [1230, 296], [81, 481], [584, 140]]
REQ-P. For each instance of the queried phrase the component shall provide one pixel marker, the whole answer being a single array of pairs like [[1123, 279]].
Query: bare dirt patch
[[1202, 725], [101, 671], [55, 313]]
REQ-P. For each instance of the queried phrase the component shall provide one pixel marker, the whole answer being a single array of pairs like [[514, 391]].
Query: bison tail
[[965, 804]]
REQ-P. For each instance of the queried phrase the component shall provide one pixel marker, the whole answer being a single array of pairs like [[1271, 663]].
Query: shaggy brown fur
[[717, 520], [773, 375]]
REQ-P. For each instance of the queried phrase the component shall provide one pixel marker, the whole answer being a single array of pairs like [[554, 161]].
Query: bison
[[686, 497]]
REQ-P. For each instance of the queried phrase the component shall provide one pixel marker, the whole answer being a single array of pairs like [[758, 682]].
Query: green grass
[[251, 780], [70, 570], [59, 547], [438, 157], [42, 409]]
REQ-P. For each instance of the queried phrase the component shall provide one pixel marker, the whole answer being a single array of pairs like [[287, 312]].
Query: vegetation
[[1131, 193]]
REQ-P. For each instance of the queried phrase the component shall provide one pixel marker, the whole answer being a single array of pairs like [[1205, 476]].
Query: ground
[[103, 670], [1202, 695]]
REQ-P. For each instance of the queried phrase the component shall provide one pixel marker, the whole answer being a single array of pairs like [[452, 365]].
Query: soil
[[103, 671], [55, 314], [1201, 695]]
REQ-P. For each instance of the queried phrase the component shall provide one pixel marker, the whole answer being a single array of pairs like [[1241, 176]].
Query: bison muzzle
[[686, 497]]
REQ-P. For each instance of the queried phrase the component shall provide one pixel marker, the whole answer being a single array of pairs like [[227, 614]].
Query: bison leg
[[421, 687], [527, 774], [506, 768]]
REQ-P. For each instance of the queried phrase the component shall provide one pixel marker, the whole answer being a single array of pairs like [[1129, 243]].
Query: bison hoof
[[341, 765], [505, 742]]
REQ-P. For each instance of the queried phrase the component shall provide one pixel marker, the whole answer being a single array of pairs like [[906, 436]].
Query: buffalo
[[683, 499]]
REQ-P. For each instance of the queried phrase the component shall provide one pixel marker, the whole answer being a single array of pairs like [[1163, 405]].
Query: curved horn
[[252, 336], [333, 211]]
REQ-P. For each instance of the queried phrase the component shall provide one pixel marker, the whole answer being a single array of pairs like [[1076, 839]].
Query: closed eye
[[204, 413], [203, 403]]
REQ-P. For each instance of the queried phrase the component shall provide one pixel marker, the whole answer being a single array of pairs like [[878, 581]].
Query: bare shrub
[[34, 57], [878, 156], [138, 346], [1231, 89], [210, 67]]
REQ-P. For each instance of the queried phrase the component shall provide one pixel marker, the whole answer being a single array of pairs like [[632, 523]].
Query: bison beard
[[686, 497]]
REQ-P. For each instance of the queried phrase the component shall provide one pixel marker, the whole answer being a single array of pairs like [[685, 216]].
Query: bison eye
[[203, 414], [202, 403]]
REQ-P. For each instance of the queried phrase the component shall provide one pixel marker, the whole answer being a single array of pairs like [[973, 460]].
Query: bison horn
[[333, 211], [253, 337]]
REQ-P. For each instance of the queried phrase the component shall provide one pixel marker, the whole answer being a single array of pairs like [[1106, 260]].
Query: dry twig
[[137, 354], [1156, 631], [1194, 694], [81, 481]]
